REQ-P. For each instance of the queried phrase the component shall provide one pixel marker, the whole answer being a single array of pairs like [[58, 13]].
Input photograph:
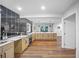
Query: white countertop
[[12, 39], [43, 32]]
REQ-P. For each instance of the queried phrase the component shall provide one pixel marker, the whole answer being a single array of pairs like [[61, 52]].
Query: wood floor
[[47, 49]]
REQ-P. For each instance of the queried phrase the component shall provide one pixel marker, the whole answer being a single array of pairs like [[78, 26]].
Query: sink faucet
[[4, 35]]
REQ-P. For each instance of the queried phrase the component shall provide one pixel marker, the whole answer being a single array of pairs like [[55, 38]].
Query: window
[[44, 28]]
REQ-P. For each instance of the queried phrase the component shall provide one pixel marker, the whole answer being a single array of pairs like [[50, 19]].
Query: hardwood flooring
[[47, 49]]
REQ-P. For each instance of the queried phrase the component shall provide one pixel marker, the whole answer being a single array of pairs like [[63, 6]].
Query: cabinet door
[[9, 53], [32, 37], [36, 36], [18, 46], [40, 36], [49, 36], [0, 52], [25, 43], [54, 36]]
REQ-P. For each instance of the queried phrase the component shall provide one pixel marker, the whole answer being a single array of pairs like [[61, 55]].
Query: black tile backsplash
[[25, 24], [12, 23], [9, 20]]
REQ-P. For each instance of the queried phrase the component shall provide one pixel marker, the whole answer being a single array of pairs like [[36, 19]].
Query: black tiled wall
[[13, 21], [9, 18]]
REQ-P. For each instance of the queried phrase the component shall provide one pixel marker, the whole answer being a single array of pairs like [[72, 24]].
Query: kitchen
[[12, 32], [27, 31]]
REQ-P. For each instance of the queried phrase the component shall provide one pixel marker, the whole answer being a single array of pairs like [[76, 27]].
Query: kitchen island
[[44, 36]]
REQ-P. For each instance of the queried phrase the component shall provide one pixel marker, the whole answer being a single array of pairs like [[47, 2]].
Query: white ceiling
[[33, 7]]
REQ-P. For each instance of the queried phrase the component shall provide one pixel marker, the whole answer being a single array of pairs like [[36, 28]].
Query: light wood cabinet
[[17, 46], [54, 36], [0, 52], [44, 36], [21, 45], [33, 37], [7, 51], [25, 43]]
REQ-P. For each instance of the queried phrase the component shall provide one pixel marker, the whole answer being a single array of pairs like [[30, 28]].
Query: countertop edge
[[12, 39]]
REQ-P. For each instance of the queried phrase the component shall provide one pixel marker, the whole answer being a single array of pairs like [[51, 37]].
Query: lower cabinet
[[44, 36], [21, 45], [33, 37], [25, 43], [7, 51], [0, 52]]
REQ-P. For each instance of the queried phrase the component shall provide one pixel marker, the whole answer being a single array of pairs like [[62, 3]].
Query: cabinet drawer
[[7, 51]]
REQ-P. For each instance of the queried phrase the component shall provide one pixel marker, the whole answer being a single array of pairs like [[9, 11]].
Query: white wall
[[36, 27], [0, 22], [77, 34], [72, 10], [56, 29], [38, 21]]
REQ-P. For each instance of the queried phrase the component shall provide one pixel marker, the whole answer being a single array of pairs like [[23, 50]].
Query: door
[[69, 33]]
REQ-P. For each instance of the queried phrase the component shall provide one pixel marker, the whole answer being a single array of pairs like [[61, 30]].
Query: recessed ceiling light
[[43, 7], [19, 8]]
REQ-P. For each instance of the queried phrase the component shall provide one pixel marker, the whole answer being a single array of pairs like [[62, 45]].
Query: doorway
[[70, 32]]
